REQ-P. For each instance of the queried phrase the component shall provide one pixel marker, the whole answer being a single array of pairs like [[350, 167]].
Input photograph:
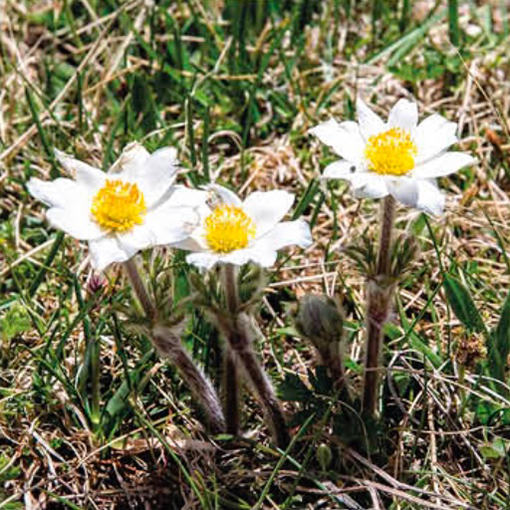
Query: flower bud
[[96, 283], [324, 456], [320, 320]]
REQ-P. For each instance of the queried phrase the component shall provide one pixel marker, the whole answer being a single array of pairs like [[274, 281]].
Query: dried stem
[[169, 346], [379, 298]]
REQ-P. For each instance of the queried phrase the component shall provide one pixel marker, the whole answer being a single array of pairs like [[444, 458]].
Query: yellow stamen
[[228, 228], [118, 206], [391, 152]]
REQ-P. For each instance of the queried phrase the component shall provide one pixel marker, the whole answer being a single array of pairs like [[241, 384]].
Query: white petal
[[340, 170], [107, 250], [57, 193], [405, 190], [422, 194], [139, 238], [267, 208], [205, 260], [262, 257], [168, 224], [130, 161], [369, 185], [156, 174], [345, 138], [434, 135], [430, 198], [445, 164], [287, 233], [75, 221], [404, 115], [90, 177], [193, 243], [182, 196], [369, 122], [220, 194]]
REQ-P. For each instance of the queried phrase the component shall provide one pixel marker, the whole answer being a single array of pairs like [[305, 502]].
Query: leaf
[[502, 332], [462, 304], [293, 389], [495, 450], [321, 382]]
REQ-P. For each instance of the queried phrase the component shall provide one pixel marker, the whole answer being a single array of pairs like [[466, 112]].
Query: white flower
[[236, 232], [399, 157], [133, 206]]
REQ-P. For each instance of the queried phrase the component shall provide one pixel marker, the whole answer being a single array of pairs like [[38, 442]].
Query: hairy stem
[[95, 378], [231, 386], [169, 346], [332, 359], [379, 298], [240, 343], [140, 289]]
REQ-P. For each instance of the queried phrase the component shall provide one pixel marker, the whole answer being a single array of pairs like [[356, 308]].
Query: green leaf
[[503, 331], [495, 450], [293, 389], [321, 382], [462, 304]]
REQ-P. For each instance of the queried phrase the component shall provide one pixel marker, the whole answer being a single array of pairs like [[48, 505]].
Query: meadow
[[92, 416]]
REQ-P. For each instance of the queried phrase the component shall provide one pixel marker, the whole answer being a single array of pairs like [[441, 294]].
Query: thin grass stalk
[[169, 346], [231, 390], [379, 298]]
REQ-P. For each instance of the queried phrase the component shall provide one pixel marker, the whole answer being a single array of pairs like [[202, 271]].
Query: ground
[[235, 86]]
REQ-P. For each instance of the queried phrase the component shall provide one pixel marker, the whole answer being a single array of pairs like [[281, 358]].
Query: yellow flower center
[[391, 152], [118, 206], [228, 228]]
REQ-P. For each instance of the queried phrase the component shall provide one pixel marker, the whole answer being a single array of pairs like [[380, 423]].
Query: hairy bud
[[320, 320]]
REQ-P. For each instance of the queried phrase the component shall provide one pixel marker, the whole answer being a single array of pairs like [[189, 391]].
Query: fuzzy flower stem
[[333, 360], [169, 346], [95, 378], [231, 374], [379, 298], [240, 347], [140, 289], [266, 395]]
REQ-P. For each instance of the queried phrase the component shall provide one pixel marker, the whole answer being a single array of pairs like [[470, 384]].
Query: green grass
[[234, 86]]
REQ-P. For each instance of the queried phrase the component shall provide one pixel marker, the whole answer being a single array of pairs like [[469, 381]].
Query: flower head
[[399, 157], [236, 232], [133, 206]]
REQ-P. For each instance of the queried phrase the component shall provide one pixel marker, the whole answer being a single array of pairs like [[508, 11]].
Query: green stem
[[231, 390], [379, 298]]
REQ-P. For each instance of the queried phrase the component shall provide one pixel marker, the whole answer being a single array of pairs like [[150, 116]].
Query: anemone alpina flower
[[399, 157], [133, 206], [236, 232]]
